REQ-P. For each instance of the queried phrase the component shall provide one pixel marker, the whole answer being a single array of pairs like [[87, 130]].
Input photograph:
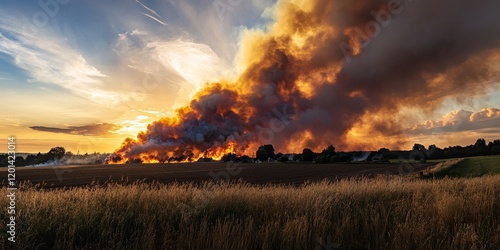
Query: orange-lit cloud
[[461, 120]]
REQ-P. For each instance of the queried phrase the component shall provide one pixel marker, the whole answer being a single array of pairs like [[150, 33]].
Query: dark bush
[[283, 158], [307, 155]]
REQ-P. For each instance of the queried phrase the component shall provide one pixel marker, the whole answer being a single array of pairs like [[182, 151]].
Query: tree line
[[329, 155], [267, 153], [54, 155]]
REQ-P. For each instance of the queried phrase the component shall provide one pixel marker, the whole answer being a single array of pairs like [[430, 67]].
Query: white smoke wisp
[[362, 157], [87, 159]]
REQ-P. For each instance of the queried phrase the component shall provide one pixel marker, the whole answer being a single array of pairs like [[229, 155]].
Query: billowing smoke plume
[[334, 71]]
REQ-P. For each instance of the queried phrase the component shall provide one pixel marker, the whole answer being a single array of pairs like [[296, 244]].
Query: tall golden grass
[[380, 213]]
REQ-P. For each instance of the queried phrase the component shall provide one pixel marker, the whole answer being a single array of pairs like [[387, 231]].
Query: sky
[[87, 74]]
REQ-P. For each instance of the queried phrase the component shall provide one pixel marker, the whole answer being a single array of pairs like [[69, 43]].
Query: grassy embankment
[[470, 167], [381, 213]]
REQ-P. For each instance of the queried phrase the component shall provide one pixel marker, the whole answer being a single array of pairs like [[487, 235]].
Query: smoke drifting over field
[[333, 72]]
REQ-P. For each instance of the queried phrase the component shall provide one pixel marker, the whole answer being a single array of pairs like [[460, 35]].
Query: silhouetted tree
[[435, 153], [56, 153], [307, 155], [383, 151], [330, 150], [341, 157], [40, 158], [494, 147], [325, 155], [270, 149], [244, 159], [384, 154], [323, 158], [455, 152], [283, 158], [3, 160], [30, 160], [278, 155], [265, 152], [297, 157], [228, 157], [20, 161], [480, 143], [419, 153], [480, 147]]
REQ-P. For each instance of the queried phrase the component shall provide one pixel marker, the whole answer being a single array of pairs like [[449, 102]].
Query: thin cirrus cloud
[[98, 129], [155, 19], [154, 15], [47, 59], [487, 120]]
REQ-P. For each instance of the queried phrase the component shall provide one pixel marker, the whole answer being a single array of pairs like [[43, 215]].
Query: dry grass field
[[371, 213]]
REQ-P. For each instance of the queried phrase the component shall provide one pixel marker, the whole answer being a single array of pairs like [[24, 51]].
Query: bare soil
[[255, 173]]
